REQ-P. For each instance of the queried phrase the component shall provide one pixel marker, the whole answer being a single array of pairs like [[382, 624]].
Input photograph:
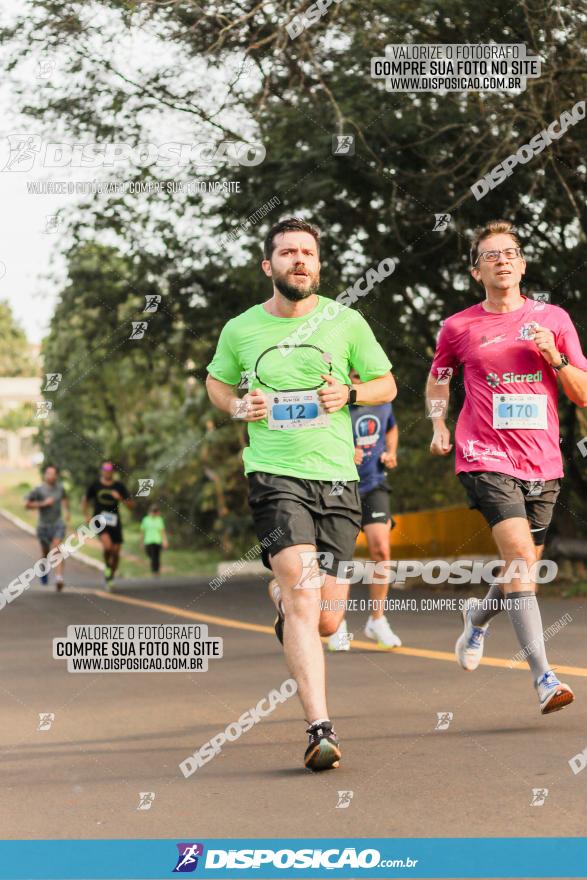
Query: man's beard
[[293, 293]]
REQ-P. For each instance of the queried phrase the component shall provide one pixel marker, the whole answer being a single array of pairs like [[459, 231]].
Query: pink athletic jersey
[[509, 422]]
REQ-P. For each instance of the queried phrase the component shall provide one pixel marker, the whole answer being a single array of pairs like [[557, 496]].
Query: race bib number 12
[[292, 410]]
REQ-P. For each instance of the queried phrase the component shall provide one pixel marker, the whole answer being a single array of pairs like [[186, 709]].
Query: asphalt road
[[116, 735]]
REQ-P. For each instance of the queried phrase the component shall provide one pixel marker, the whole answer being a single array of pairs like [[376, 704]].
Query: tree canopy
[[168, 71]]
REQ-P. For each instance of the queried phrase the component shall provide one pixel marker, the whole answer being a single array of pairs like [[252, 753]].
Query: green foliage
[[416, 155], [15, 359]]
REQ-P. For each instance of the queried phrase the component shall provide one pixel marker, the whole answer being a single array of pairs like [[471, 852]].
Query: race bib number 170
[[519, 411]]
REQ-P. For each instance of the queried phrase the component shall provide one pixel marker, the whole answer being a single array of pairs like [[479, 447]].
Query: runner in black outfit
[[105, 495]]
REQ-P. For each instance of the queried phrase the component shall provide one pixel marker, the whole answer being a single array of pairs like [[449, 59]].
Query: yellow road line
[[181, 612], [363, 646]]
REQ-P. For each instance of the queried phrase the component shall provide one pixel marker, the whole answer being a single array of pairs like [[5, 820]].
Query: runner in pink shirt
[[513, 351]]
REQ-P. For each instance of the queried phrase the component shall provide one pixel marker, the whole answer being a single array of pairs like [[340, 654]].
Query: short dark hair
[[493, 227], [290, 224], [51, 465]]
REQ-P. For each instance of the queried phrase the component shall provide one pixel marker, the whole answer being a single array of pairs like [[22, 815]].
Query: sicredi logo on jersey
[[507, 378]]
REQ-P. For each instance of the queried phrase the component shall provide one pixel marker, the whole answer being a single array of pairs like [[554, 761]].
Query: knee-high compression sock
[[488, 607], [524, 614]]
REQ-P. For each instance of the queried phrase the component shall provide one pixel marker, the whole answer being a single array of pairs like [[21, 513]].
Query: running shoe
[[341, 639], [323, 750], [552, 694], [44, 578], [380, 631], [469, 646], [275, 596], [108, 576]]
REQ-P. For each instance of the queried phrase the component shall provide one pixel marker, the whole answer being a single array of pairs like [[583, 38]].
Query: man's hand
[[544, 341], [441, 444], [250, 408], [48, 502], [359, 455], [334, 396], [388, 459], [115, 494]]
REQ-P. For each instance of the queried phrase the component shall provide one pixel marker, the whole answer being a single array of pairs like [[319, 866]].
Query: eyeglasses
[[492, 256]]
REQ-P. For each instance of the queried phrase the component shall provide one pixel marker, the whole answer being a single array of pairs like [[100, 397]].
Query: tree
[[15, 357], [232, 73]]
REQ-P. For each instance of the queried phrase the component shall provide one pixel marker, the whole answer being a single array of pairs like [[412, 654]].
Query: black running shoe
[[323, 750]]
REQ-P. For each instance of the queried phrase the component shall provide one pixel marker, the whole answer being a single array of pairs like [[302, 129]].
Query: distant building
[[18, 447]]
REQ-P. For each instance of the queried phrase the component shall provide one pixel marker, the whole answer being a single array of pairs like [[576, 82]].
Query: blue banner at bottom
[[524, 857]]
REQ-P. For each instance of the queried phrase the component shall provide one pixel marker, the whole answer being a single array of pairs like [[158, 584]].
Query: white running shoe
[[469, 646], [552, 694], [382, 633], [339, 641]]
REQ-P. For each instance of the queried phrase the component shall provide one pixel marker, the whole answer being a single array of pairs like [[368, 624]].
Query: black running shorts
[[499, 496], [289, 511], [375, 504], [115, 533]]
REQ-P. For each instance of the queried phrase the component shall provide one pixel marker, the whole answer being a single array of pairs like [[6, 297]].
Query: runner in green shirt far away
[[154, 537]]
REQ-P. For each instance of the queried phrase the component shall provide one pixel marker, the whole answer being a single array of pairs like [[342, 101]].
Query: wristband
[[352, 398]]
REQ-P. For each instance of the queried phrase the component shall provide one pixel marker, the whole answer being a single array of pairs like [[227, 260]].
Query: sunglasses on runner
[[510, 253]]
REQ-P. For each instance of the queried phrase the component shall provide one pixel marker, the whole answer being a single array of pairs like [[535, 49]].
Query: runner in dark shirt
[[376, 436], [105, 494]]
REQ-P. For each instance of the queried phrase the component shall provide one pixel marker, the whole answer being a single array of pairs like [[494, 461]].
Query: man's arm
[[376, 391], [574, 384], [573, 379], [392, 440], [250, 408], [389, 457], [437, 397]]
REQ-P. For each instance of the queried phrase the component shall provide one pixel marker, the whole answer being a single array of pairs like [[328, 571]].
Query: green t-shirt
[[152, 527], [258, 340]]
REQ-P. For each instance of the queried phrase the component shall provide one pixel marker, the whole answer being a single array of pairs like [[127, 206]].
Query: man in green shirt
[[297, 349]]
